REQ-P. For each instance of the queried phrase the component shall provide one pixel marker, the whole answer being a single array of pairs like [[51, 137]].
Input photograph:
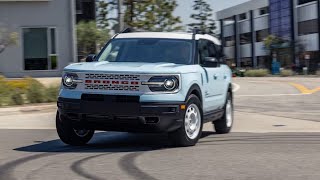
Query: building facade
[[46, 37], [244, 28]]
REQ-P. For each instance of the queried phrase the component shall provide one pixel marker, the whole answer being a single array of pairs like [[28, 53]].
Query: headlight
[[163, 83], [170, 84], [69, 80]]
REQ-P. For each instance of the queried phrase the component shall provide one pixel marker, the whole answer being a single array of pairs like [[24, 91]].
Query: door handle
[[225, 76], [215, 77]]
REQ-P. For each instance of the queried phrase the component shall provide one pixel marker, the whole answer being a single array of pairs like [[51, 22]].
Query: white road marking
[[235, 87], [270, 95]]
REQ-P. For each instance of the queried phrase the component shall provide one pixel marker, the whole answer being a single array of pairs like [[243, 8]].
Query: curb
[[27, 109]]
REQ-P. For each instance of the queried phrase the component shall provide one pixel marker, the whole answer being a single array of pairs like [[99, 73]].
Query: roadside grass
[[25, 91]]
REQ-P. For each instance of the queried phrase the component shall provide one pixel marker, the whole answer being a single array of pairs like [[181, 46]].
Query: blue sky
[[184, 9]]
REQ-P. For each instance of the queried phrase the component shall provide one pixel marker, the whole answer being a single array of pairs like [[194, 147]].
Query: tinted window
[[261, 35], [229, 41], [203, 50], [245, 38], [308, 27], [305, 1]]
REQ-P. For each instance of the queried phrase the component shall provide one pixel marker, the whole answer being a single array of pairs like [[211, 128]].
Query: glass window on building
[[300, 2], [261, 35], [79, 6], [245, 38], [263, 62], [39, 49], [263, 11], [246, 62], [229, 41], [243, 16], [308, 27]]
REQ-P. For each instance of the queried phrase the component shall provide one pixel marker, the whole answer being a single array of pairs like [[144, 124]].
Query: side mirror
[[90, 58], [211, 62]]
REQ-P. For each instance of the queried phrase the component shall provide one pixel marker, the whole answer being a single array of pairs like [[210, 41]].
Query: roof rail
[[127, 30]]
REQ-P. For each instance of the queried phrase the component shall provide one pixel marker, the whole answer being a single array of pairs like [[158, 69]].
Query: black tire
[[67, 134], [221, 126], [179, 137]]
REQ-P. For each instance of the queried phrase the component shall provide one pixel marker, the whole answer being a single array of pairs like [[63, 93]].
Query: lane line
[[271, 95], [235, 87], [303, 89]]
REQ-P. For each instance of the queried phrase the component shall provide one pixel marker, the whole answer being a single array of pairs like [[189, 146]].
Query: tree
[[203, 18], [104, 21], [152, 15], [7, 38], [89, 36]]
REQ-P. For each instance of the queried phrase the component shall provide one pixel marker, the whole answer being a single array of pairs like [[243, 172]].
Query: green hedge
[[256, 73], [286, 73], [24, 91]]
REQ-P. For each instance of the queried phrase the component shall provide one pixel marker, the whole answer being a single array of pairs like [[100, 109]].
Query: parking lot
[[276, 136]]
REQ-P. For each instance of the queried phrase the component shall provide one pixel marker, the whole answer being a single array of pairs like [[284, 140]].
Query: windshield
[[148, 50]]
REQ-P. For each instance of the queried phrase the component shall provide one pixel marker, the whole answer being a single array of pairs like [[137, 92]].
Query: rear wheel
[[224, 125], [70, 135], [191, 130]]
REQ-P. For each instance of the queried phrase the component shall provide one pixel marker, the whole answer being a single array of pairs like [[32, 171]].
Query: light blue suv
[[148, 82]]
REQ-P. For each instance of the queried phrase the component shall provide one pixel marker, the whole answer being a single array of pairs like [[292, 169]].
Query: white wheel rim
[[229, 113], [192, 121], [81, 132]]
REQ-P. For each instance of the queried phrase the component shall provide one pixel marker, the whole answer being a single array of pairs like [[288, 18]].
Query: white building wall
[[307, 12], [260, 50], [245, 50], [244, 26], [310, 42], [228, 30], [229, 52], [261, 22]]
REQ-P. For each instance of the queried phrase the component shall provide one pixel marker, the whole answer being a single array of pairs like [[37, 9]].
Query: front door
[[213, 77]]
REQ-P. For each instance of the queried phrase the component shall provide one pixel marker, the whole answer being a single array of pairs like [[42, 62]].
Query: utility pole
[[120, 16]]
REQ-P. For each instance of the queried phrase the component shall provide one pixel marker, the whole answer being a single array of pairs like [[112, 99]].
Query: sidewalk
[[45, 107]]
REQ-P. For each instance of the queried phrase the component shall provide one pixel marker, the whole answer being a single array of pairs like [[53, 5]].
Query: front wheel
[[70, 135], [224, 125], [191, 130]]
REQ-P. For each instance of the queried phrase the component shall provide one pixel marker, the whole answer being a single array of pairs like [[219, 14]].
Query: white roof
[[167, 35]]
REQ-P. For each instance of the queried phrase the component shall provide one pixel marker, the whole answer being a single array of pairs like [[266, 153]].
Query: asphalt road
[[276, 136]]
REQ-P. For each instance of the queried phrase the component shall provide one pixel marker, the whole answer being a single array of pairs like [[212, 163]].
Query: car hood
[[132, 67]]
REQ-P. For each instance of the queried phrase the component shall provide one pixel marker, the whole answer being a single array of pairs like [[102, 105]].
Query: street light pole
[[120, 16]]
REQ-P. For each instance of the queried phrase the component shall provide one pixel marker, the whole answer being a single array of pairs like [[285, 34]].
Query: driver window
[[212, 50], [203, 50]]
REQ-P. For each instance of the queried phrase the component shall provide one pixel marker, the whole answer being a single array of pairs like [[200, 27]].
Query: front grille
[[127, 77], [112, 82]]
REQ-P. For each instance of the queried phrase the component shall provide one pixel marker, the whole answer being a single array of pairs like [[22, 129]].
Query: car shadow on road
[[108, 142]]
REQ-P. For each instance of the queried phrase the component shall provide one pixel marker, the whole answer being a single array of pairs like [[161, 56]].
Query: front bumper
[[121, 113]]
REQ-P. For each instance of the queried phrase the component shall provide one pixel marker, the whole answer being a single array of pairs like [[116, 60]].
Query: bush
[[256, 73], [27, 90], [16, 98], [35, 91], [286, 73], [21, 84], [5, 92], [52, 93]]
